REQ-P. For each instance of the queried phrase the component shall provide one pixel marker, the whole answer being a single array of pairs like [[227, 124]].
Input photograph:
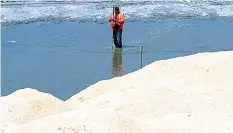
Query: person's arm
[[110, 18]]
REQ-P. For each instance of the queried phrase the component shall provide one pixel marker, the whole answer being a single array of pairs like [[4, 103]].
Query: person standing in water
[[117, 19]]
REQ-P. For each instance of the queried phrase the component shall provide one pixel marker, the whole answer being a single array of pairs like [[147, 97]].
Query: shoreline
[[62, 48], [170, 96]]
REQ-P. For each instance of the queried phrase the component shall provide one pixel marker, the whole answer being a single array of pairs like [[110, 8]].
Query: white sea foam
[[99, 10]]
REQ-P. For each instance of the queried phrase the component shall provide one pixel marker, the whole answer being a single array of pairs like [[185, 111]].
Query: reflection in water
[[117, 67]]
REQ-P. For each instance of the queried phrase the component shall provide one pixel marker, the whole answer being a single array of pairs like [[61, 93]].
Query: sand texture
[[192, 94]]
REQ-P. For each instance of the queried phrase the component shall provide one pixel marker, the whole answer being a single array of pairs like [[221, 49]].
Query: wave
[[14, 12]]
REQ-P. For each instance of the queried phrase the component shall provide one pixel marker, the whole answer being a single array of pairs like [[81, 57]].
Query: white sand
[[26, 105], [192, 94]]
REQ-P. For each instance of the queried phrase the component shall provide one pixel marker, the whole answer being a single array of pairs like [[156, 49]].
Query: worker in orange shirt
[[117, 19]]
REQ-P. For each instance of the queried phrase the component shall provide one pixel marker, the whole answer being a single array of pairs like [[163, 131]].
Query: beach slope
[[192, 94]]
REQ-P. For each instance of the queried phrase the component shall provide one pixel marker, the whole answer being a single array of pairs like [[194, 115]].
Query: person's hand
[[114, 20]]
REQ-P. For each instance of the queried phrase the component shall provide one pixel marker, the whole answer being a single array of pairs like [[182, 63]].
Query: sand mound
[[186, 94], [26, 105], [197, 83]]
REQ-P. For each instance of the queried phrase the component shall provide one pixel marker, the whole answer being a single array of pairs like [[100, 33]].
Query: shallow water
[[65, 58]]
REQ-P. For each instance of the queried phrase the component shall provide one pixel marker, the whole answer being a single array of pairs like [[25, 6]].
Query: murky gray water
[[65, 58]]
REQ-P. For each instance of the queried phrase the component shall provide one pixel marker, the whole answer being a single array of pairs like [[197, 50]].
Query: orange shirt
[[120, 18]]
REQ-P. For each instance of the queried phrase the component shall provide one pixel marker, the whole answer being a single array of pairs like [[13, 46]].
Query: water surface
[[65, 58]]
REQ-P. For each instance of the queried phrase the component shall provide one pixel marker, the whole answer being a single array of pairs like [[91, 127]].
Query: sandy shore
[[192, 94]]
